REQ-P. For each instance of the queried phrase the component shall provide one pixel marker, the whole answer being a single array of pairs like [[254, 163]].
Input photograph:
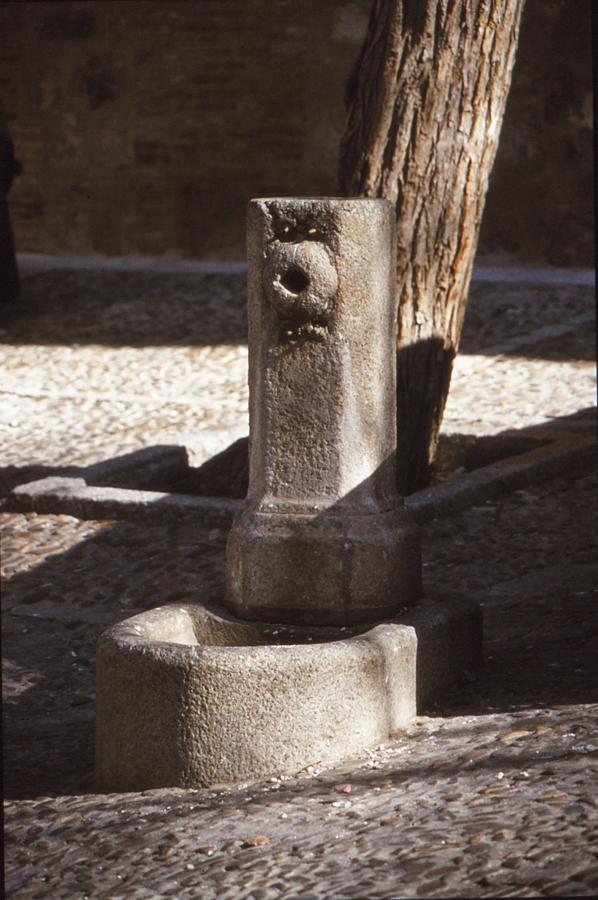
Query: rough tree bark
[[425, 103]]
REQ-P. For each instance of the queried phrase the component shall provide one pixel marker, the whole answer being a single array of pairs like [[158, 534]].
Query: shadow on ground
[[147, 309], [541, 635], [129, 309]]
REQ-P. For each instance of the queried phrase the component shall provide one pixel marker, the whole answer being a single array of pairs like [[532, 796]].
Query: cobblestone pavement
[[491, 793]]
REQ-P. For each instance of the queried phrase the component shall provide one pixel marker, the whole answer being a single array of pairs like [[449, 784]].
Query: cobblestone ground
[[491, 793]]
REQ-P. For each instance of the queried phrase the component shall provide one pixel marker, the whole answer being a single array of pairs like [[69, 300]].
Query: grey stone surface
[[73, 496], [324, 536], [568, 445], [561, 452], [188, 696], [139, 469], [147, 468]]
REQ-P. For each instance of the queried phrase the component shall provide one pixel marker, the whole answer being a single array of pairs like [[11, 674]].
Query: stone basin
[[191, 696]]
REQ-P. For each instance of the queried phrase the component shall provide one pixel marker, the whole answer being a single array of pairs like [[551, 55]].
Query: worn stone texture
[[188, 696], [74, 497], [324, 536]]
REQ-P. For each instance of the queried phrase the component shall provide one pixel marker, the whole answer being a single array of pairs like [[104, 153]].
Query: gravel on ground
[[492, 792]]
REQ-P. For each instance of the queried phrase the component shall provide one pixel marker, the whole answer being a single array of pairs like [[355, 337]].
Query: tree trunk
[[426, 102]]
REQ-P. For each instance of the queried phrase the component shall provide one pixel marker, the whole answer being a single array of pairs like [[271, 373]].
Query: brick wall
[[144, 127]]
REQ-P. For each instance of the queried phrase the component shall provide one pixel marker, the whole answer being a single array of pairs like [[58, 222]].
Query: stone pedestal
[[324, 537], [196, 695]]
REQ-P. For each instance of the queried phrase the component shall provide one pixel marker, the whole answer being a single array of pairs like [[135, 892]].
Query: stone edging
[[76, 497]]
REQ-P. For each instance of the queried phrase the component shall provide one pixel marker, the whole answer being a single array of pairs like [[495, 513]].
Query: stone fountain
[[324, 643]]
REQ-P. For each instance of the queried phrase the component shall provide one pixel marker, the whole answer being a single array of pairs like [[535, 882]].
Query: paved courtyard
[[491, 793]]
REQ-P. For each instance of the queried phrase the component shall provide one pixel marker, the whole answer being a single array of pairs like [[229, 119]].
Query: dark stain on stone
[[98, 82], [150, 153], [293, 331], [72, 25]]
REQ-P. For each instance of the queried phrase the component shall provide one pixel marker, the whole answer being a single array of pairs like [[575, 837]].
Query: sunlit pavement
[[492, 793]]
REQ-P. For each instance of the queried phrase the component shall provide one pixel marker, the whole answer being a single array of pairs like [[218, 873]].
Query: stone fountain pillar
[[323, 650], [324, 537]]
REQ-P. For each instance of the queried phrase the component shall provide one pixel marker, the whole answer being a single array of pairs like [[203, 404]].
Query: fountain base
[[190, 696]]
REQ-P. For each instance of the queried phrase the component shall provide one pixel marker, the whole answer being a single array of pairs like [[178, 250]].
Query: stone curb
[[75, 497], [449, 634], [473, 363], [138, 469], [564, 453]]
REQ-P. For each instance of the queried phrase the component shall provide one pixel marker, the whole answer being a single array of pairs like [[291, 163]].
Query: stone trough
[[325, 644], [189, 695], [204, 698]]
